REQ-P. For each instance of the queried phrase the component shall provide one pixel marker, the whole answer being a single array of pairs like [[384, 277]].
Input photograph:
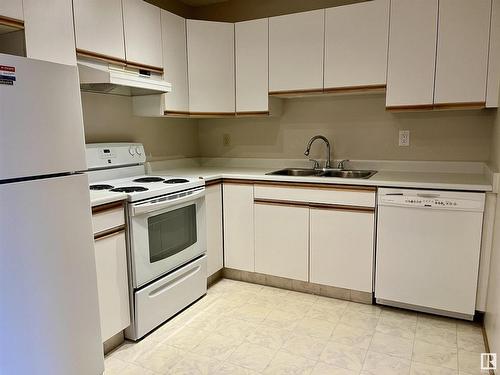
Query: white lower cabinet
[[281, 240], [213, 206], [238, 226], [112, 284], [341, 248]]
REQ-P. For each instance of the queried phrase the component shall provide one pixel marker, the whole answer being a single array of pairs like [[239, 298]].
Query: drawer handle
[[172, 283]]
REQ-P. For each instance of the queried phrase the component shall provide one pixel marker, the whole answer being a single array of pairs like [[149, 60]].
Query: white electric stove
[[166, 233]]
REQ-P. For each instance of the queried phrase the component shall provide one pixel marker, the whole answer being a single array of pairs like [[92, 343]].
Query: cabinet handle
[[318, 206], [109, 232], [179, 279]]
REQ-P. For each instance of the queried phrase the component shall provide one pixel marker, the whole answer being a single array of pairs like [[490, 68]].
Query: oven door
[[165, 233]]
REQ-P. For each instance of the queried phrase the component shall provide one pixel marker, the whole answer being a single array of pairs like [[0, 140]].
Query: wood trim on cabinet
[[107, 206], [436, 106], [416, 107], [109, 232], [217, 181], [313, 186], [117, 61], [318, 206], [292, 93], [341, 207], [212, 114], [101, 57], [176, 113], [11, 22], [465, 105], [236, 181], [280, 202], [306, 185], [355, 89], [252, 113]]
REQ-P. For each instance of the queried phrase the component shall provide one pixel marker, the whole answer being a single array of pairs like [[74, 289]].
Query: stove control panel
[[103, 155]]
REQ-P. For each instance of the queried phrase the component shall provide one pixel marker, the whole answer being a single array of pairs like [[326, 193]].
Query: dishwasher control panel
[[432, 199]]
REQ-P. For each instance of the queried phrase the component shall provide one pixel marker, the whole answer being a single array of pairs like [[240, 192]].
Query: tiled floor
[[241, 328]]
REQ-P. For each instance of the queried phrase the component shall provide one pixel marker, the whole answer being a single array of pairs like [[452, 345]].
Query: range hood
[[105, 78]]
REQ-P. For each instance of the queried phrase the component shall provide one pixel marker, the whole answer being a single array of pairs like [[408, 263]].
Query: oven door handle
[[159, 204]]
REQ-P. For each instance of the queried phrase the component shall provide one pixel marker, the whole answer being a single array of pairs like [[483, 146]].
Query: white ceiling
[[199, 3]]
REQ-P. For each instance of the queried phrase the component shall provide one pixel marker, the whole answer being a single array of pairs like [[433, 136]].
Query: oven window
[[171, 232]]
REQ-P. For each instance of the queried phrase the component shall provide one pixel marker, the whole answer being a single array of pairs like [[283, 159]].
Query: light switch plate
[[404, 138]]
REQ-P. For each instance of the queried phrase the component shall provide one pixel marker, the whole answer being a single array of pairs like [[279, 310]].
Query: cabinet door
[[412, 53], [252, 65], [99, 27], [462, 51], [296, 45], [492, 86], [238, 227], [112, 284], [211, 66], [213, 204], [48, 28], [142, 29], [356, 44], [281, 240], [341, 248], [175, 61], [12, 9]]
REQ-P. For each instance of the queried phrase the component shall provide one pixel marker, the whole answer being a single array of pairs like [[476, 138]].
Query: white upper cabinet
[[412, 53], [12, 9], [48, 28], [99, 27], [175, 62], [356, 44], [142, 29], [252, 65], [492, 87], [462, 51], [211, 67], [296, 45]]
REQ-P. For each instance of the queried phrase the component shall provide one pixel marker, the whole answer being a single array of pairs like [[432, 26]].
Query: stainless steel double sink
[[342, 173]]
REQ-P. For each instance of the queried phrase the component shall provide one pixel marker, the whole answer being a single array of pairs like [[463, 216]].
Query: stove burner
[[176, 181], [100, 187], [149, 179], [129, 189]]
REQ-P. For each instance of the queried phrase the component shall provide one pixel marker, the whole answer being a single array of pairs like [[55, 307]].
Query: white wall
[[109, 118], [358, 126]]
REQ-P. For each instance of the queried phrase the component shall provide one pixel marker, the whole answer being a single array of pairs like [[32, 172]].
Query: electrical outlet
[[404, 138], [226, 140]]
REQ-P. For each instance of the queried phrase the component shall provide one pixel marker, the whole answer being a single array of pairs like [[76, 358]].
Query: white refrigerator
[[49, 314]]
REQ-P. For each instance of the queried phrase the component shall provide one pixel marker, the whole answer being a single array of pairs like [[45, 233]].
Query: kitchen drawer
[[106, 219], [162, 299], [346, 196]]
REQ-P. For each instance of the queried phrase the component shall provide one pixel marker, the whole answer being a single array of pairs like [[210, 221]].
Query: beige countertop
[[98, 197], [422, 180]]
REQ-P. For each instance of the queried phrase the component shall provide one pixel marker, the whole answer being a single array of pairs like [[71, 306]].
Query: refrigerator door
[[41, 121], [49, 313]]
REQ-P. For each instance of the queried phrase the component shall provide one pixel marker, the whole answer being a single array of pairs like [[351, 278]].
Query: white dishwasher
[[428, 247]]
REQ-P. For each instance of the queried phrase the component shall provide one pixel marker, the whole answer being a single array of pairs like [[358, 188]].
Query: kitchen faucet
[[308, 149]]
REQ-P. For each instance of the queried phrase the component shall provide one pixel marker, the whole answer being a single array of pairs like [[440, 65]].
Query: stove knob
[[138, 150], [131, 151]]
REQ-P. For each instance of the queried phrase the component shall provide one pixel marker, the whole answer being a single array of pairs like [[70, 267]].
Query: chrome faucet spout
[[328, 149]]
